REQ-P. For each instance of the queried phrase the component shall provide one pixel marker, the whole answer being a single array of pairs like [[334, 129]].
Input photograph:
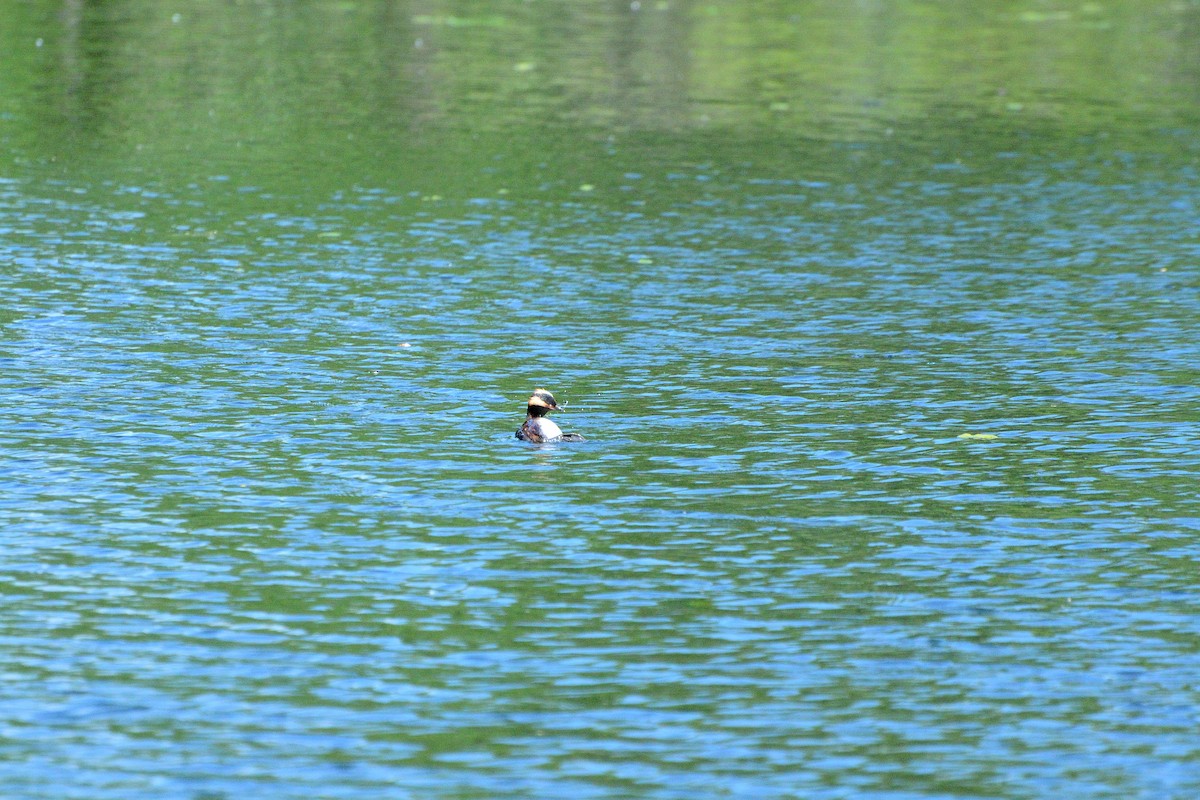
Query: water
[[890, 393]]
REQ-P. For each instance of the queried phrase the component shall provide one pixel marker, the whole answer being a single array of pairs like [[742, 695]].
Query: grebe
[[540, 428]]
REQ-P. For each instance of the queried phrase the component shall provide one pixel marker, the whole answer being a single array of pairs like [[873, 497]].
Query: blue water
[[888, 488]]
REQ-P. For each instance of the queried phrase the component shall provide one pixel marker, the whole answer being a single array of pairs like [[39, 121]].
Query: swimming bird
[[540, 428]]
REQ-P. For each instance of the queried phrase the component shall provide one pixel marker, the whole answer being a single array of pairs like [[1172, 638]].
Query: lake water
[[880, 321]]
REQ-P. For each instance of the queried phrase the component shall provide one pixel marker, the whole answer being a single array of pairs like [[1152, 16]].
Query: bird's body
[[539, 429]]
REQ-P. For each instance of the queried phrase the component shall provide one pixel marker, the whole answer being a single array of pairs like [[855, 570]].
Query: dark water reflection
[[889, 487]]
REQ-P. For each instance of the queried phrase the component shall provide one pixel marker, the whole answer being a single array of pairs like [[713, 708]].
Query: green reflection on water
[[369, 88]]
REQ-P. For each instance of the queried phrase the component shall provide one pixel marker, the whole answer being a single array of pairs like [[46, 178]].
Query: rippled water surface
[[889, 487]]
